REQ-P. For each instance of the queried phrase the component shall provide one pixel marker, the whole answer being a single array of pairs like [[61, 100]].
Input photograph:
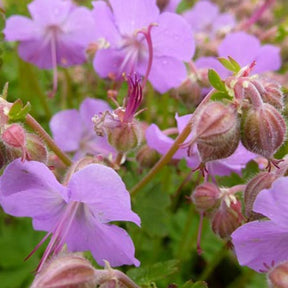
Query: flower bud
[[227, 218], [147, 156], [261, 181], [36, 149], [66, 271], [14, 136], [263, 130], [217, 131], [206, 196], [278, 276]]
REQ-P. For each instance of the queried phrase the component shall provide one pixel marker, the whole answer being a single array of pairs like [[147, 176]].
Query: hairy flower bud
[[206, 196], [36, 149], [217, 131], [66, 271], [261, 181], [14, 136], [263, 130], [147, 156], [278, 276], [227, 218]]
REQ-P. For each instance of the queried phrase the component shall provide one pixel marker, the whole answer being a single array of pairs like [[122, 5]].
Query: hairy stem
[[31, 122]]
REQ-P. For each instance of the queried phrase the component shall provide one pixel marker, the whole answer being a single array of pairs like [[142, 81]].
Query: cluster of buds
[[263, 127], [120, 127], [73, 270], [221, 206], [16, 142]]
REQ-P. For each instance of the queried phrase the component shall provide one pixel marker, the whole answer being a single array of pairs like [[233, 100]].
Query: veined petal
[[132, 15], [104, 192], [67, 129], [30, 189], [19, 28], [105, 26], [167, 73], [52, 12], [173, 37], [273, 202], [106, 242], [259, 242], [36, 51]]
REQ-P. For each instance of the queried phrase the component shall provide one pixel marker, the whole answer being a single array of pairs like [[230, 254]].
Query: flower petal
[[104, 23], [19, 28], [273, 202], [171, 6], [52, 12], [234, 163], [91, 107], [30, 189], [104, 192], [108, 61], [259, 242], [173, 37], [167, 73], [132, 15], [67, 129], [36, 51], [106, 242], [201, 15], [268, 59], [158, 141], [240, 46]]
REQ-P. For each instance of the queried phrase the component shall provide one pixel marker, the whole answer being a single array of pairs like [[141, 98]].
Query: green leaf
[[198, 284], [216, 81], [219, 96], [230, 64], [152, 273], [18, 112]]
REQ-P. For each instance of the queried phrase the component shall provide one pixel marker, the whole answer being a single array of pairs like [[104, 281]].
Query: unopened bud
[[263, 130], [206, 196], [261, 181], [217, 131], [227, 219], [36, 149], [14, 136], [147, 157], [278, 276], [66, 271]]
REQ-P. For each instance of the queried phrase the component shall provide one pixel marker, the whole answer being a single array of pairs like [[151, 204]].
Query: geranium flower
[[245, 49], [262, 244], [73, 130], [77, 214], [205, 19], [126, 49], [57, 34]]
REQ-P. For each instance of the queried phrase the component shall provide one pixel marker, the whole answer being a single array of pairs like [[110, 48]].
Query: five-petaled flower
[[77, 214]]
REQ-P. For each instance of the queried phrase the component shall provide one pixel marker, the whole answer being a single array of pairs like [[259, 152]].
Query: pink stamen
[[147, 35]]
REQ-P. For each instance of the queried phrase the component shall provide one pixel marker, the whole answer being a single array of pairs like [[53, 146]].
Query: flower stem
[[31, 122], [167, 157]]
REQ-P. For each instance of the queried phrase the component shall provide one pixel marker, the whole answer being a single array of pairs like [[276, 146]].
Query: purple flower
[[57, 34], [73, 130], [205, 18], [157, 140], [245, 49], [261, 244], [126, 50], [77, 214]]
